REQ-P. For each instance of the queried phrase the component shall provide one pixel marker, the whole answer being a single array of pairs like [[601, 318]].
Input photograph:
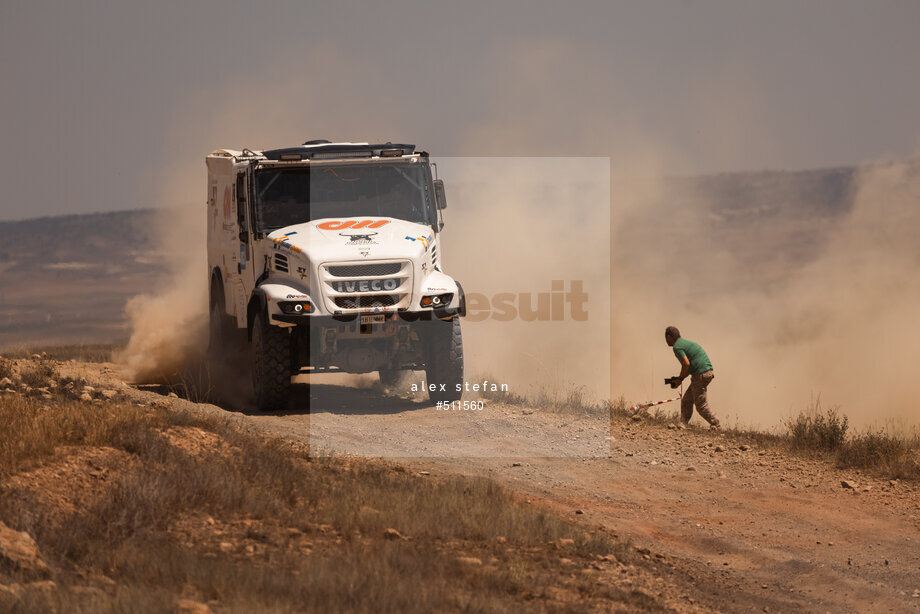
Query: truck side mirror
[[244, 236], [439, 195]]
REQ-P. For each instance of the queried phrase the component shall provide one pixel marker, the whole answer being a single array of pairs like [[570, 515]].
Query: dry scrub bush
[[882, 451], [817, 429], [38, 374]]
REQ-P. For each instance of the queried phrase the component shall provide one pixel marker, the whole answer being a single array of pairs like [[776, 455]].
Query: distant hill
[[66, 279]]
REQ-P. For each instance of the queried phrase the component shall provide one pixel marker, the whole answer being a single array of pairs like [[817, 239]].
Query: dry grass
[[84, 352], [817, 432], [276, 530], [555, 397], [817, 429], [6, 368]]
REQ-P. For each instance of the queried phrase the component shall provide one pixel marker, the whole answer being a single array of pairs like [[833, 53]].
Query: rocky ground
[[717, 522]]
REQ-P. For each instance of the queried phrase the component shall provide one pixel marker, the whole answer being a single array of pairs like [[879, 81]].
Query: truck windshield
[[293, 195]]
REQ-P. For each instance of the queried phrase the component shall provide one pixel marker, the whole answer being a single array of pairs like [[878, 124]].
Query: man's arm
[[684, 367], [684, 370]]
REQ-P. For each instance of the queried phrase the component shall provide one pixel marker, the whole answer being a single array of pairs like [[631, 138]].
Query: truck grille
[[386, 285], [366, 302], [365, 270]]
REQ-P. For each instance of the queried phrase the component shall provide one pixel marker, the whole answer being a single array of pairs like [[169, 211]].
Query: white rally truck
[[326, 256]]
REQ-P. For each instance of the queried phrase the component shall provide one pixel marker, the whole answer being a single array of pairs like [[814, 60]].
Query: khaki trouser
[[696, 395]]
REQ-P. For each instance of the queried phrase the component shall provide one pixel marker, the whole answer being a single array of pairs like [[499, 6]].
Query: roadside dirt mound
[[71, 482], [198, 442]]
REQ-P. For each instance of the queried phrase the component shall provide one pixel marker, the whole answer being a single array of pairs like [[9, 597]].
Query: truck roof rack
[[324, 149]]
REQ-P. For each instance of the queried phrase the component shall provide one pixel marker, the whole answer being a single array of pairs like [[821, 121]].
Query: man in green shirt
[[695, 363]]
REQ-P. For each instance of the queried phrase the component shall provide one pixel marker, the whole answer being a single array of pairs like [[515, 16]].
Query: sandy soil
[[734, 529]]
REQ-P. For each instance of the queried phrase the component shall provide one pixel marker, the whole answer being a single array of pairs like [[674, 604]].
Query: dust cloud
[[793, 303], [169, 333]]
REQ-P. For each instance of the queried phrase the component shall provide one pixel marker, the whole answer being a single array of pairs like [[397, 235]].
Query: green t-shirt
[[699, 361]]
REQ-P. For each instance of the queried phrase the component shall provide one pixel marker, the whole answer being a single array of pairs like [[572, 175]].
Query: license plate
[[377, 318]]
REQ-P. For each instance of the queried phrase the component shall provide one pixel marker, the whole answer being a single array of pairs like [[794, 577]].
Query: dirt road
[[737, 528]]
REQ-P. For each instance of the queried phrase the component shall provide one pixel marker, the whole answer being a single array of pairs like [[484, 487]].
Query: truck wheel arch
[[461, 310], [258, 303]]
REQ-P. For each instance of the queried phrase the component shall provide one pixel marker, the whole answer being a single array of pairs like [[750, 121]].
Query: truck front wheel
[[444, 363], [271, 365]]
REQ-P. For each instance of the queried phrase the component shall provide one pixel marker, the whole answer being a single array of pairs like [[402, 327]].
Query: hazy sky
[[103, 102]]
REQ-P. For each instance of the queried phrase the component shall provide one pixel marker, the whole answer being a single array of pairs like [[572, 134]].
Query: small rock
[[579, 512], [6, 383], [867, 489], [501, 539], [671, 426], [850, 484], [424, 473], [187, 606], [472, 561], [565, 542], [226, 547], [392, 534], [19, 553], [691, 468], [566, 561], [36, 356], [109, 394], [636, 417], [86, 397], [172, 395], [89, 389], [515, 464], [719, 448], [744, 447]]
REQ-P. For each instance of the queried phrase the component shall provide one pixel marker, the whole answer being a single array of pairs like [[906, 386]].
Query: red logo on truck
[[341, 225]]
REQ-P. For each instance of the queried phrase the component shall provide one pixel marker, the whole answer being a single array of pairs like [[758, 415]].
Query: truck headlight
[[296, 307], [436, 300]]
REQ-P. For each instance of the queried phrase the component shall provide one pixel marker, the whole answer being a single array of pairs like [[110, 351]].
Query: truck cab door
[[245, 273]]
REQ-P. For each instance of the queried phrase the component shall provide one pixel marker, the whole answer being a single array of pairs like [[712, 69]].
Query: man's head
[[671, 335]]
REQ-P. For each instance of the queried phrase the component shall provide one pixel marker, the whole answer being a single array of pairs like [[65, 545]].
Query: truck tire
[[271, 365], [444, 364]]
